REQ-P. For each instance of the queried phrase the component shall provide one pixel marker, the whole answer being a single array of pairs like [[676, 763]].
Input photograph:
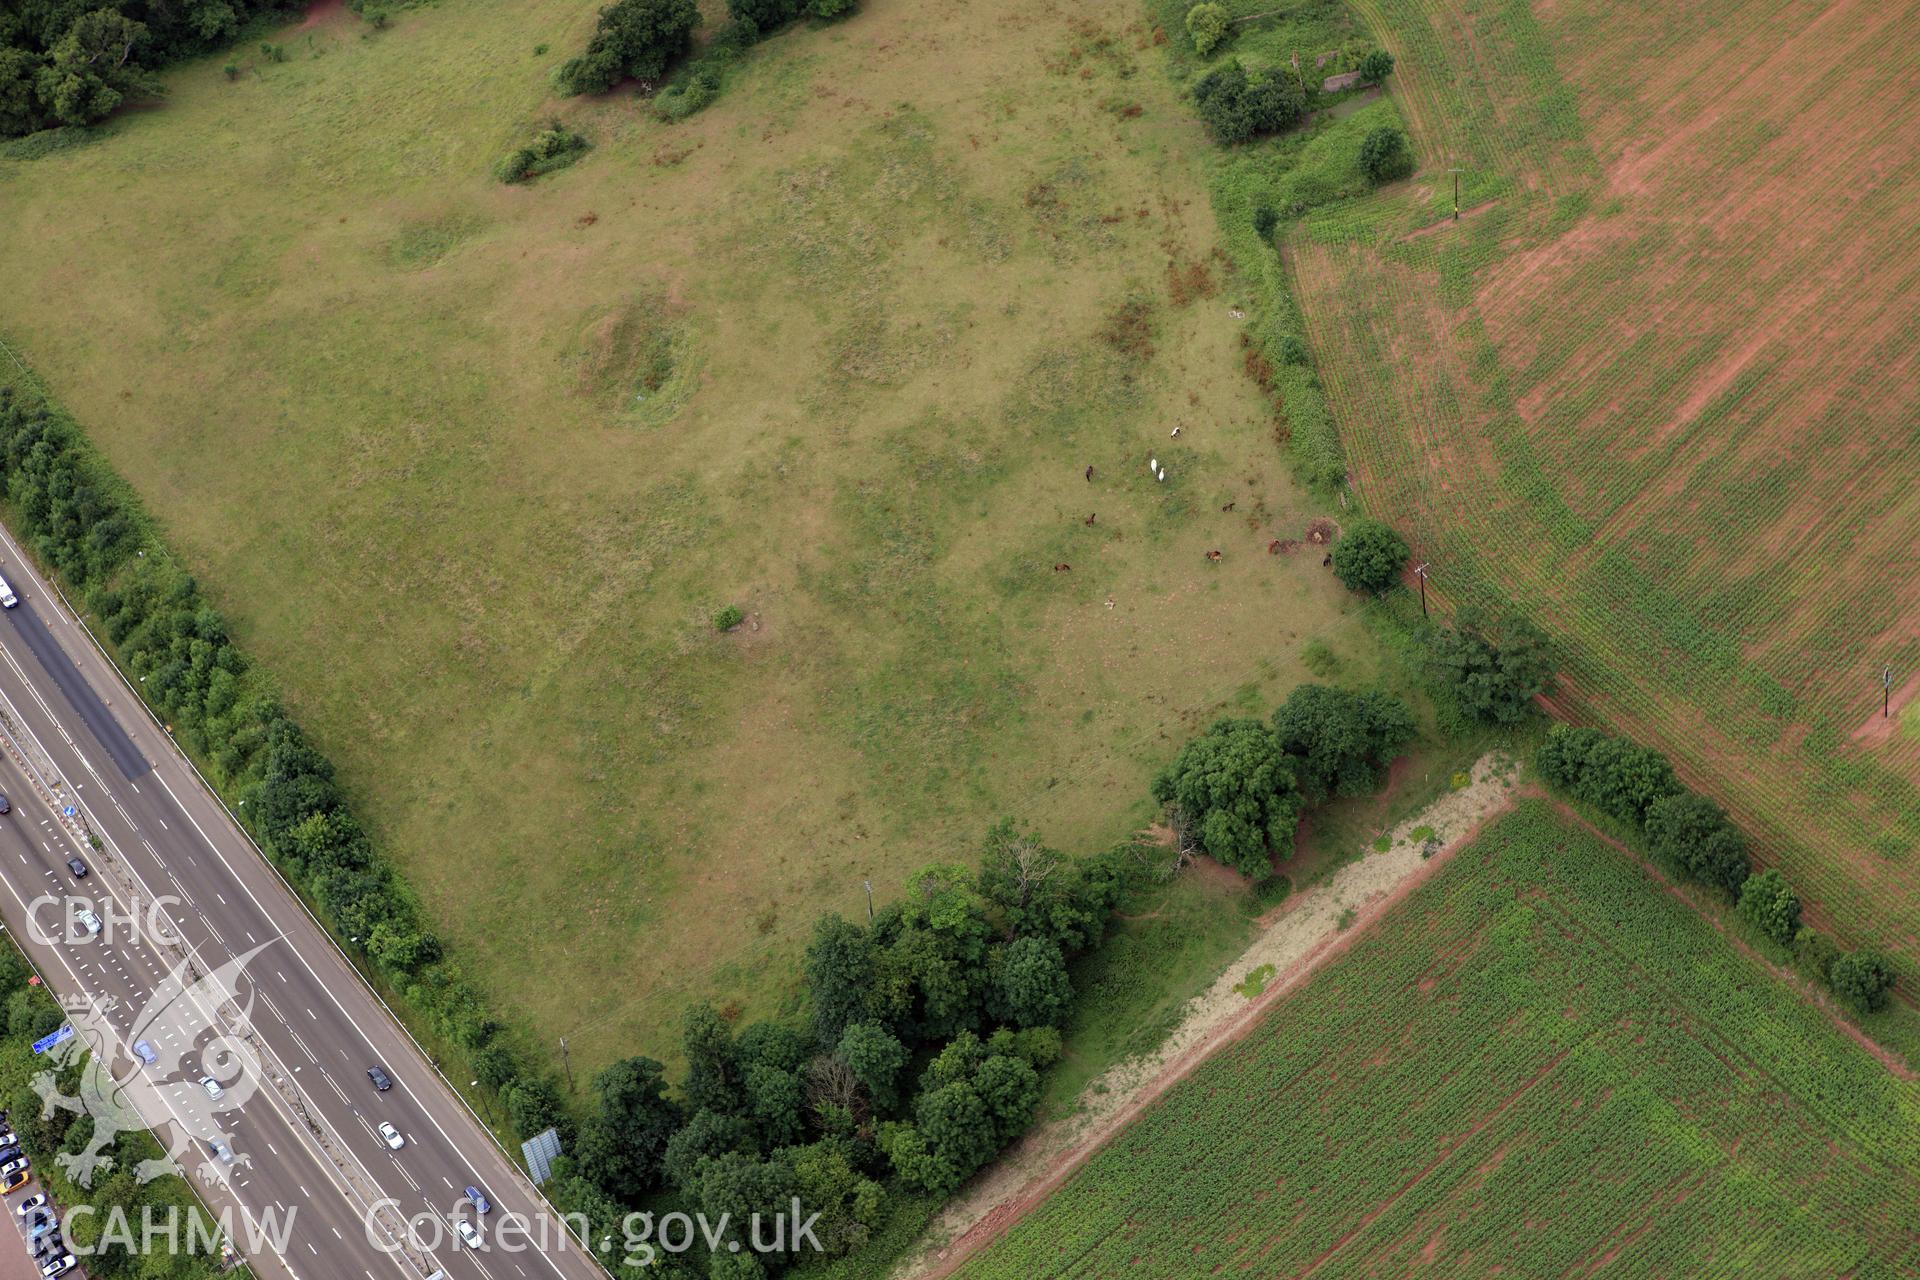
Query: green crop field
[[1658, 387], [472, 467], [1541, 1063]]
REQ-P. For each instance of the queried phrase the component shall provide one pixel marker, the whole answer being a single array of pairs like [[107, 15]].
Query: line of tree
[[642, 39], [84, 523], [1237, 792], [75, 62], [917, 1059], [1688, 832]]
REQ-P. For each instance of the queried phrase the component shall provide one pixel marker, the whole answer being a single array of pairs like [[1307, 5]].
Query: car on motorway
[[212, 1087], [18, 1164], [469, 1235], [478, 1199], [89, 922], [144, 1051], [32, 1202], [10, 1182], [391, 1136], [221, 1150], [60, 1265], [379, 1078], [6, 805], [78, 868], [7, 598]]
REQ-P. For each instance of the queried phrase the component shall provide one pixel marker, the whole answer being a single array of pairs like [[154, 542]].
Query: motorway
[[209, 957]]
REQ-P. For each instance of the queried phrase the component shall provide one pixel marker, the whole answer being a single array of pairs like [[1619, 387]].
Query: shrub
[[1236, 108], [1861, 979], [1376, 66], [728, 618], [1293, 350], [828, 10], [1207, 24], [1369, 557], [554, 147], [679, 101], [1768, 904], [1265, 219], [634, 38], [1814, 954], [1385, 154]]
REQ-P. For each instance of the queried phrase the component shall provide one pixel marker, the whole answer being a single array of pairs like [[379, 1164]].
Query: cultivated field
[[1659, 387], [1539, 1064], [472, 467]]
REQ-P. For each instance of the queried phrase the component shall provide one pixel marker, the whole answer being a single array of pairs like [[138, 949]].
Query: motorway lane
[[320, 1023], [281, 1169]]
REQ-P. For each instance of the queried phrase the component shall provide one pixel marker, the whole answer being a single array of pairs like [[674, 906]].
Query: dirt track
[[1298, 937]]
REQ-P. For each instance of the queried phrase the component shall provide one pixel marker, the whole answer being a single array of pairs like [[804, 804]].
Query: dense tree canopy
[[1385, 154], [72, 62], [634, 39], [1493, 672], [1339, 739], [1862, 980], [1369, 556], [1237, 107], [1235, 790], [1692, 831]]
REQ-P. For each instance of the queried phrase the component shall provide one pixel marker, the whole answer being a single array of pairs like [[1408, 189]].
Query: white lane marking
[[298, 954]]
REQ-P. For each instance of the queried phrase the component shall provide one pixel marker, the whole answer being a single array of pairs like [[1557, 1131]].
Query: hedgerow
[[84, 524]]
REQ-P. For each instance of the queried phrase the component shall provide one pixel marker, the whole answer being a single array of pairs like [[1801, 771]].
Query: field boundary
[[1787, 976], [1498, 800]]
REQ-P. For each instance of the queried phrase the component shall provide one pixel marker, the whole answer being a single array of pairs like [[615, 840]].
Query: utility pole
[[484, 1104], [1421, 573], [1456, 193], [566, 1063], [869, 885]]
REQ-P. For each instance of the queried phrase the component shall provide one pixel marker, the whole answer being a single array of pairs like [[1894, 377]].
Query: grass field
[[1539, 1064], [472, 467], [1658, 387]]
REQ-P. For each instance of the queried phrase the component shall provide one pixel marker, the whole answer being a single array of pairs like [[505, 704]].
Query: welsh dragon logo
[[187, 1026]]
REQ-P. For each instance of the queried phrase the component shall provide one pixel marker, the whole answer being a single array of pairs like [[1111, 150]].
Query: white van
[[7, 598]]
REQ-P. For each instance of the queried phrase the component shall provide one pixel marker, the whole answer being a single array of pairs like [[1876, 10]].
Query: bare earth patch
[[1297, 937]]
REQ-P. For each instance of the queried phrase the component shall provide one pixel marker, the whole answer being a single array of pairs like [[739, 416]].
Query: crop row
[[1592, 1070]]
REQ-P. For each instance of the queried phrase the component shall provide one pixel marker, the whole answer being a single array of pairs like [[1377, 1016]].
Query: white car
[[32, 1202], [212, 1087], [468, 1235], [392, 1135], [60, 1266], [89, 922]]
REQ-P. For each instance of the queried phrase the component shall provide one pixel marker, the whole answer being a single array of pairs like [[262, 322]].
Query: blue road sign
[[70, 811], [45, 1043]]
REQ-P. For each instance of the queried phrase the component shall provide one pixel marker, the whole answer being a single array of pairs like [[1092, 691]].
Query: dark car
[[379, 1079], [5, 805], [78, 868], [478, 1199]]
